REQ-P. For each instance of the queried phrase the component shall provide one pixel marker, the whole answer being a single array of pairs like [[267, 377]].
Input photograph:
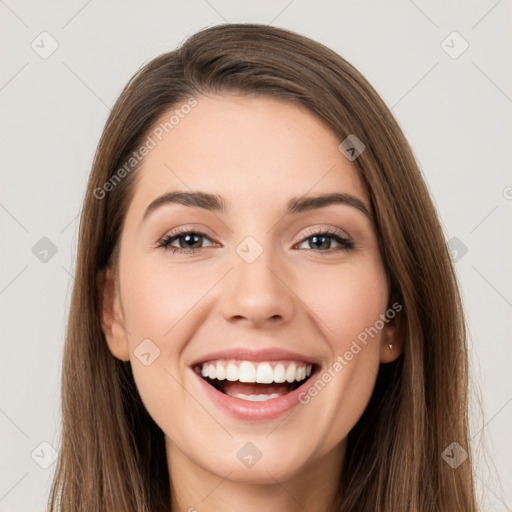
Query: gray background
[[454, 111]]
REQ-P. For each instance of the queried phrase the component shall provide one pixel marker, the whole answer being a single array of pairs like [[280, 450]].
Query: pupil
[[316, 238], [189, 237]]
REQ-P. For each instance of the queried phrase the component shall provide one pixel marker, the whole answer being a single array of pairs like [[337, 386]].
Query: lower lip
[[254, 411]]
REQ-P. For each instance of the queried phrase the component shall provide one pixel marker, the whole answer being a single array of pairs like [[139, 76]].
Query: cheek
[[348, 299], [157, 303], [161, 304], [157, 298]]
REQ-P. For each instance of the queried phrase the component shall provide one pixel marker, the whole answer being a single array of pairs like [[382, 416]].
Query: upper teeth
[[263, 373]]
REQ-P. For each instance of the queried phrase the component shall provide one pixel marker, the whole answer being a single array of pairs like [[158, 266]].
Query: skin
[[257, 152]]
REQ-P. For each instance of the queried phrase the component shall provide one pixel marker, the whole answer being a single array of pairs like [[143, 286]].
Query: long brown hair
[[112, 456]]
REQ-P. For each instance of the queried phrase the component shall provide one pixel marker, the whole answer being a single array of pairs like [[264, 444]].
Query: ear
[[112, 318], [391, 343]]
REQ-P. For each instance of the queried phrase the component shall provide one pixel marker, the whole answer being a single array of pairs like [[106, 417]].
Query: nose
[[257, 293]]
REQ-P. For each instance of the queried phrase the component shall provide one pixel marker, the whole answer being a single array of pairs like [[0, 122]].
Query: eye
[[188, 241], [322, 239]]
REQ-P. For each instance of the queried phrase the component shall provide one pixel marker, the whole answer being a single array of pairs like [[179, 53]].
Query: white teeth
[[263, 373], [291, 372], [257, 398], [279, 373], [220, 372], [247, 372], [232, 372]]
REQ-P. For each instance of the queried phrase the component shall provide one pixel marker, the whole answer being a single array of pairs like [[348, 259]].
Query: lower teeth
[[256, 398]]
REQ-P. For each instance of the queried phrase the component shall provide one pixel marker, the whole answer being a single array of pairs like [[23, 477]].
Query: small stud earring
[[390, 346]]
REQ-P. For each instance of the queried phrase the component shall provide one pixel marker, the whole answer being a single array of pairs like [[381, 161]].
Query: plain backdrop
[[444, 70]]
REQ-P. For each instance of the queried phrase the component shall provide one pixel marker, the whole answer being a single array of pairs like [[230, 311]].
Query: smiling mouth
[[255, 382]]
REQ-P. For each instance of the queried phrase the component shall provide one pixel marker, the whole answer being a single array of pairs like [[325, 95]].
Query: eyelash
[[346, 243]]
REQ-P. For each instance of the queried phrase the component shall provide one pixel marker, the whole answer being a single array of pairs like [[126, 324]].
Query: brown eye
[[323, 240], [188, 241]]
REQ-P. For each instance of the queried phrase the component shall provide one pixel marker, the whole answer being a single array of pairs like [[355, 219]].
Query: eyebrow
[[216, 203]]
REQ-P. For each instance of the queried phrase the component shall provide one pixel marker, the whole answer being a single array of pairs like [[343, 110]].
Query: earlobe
[[391, 346], [112, 320]]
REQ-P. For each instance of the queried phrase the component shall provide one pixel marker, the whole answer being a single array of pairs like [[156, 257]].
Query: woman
[[265, 315]]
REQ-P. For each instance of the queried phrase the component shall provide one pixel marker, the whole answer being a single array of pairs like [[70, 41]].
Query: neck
[[314, 486]]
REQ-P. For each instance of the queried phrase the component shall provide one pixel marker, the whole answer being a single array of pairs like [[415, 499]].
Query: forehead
[[256, 151]]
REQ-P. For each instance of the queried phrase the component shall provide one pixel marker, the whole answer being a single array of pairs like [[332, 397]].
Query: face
[[253, 300]]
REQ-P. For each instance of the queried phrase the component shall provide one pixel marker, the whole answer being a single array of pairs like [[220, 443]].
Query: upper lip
[[247, 354]]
